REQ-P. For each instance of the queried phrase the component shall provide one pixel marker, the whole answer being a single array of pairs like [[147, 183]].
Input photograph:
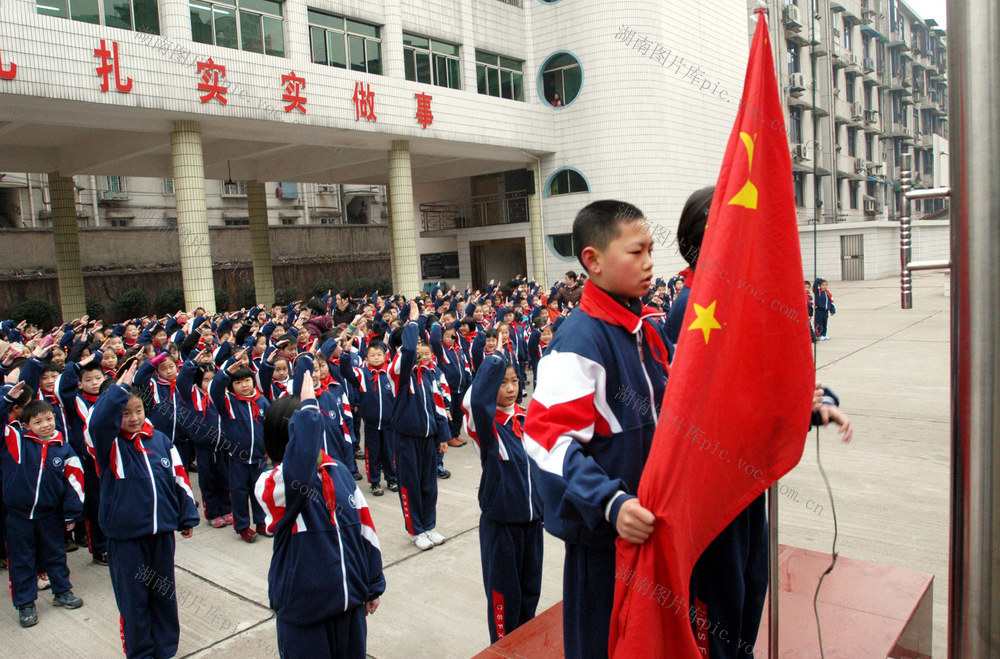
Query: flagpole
[[772, 572]]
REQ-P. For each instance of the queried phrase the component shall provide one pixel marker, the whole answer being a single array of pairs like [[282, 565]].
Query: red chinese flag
[[736, 410]]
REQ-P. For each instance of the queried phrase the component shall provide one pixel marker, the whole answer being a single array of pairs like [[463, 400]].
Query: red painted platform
[[866, 611]]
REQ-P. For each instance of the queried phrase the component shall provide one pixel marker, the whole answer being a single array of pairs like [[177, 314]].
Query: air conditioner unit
[[870, 206], [799, 152], [326, 189], [792, 19], [857, 111], [113, 195], [869, 64], [871, 117], [797, 83], [860, 165]]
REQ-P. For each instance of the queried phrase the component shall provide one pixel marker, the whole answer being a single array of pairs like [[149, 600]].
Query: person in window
[[556, 102]]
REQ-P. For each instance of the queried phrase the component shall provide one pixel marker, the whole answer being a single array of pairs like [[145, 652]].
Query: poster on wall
[[440, 265]]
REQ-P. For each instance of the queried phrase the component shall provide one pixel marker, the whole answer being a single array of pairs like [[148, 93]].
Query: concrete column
[[67, 240], [537, 228], [468, 51], [260, 243], [192, 218], [296, 33], [175, 19], [392, 41], [403, 257]]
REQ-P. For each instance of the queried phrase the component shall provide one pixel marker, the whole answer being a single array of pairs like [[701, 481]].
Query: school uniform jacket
[[40, 477], [63, 396], [322, 527], [591, 420], [144, 487], [506, 491], [332, 400], [452, 362], [197, 412], [162, 403], [375, 388], [242, 419], [414, 408]]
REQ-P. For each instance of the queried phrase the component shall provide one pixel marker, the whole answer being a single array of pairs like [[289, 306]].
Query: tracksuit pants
[[340, 637], [378, 453], [33, 546], [416, 468], [822, 318], [588, 597], [457, 414], [729, 585], [213, 479], [512, 573], [242, 479], [96, 540], [142, 575]]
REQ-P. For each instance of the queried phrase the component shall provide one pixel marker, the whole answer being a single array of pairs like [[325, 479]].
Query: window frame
[[216, 8], [435, 57], [345, 32], [560, 88], [65, 11], [569, 172], [497, 66]]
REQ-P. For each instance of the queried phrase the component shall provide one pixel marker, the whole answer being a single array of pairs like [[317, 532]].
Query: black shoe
[[359, 455], [67, 599], [357, 475], [377, 490], [193, 469], [394, 486], [101, 559], [71, 545], [443, 473], [27, 615]]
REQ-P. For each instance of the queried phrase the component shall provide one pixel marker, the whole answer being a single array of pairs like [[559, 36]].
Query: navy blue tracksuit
[[457, 371], [415, 424], [200, 419], [320, 520], [42, 490], [243, 439], [510, 528], [375, 389], [145, 497]]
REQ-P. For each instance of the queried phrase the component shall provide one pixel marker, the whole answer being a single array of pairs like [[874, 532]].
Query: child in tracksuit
[[452, 362], [241, 410], [416, 433], [326, 569], [91, 380], [510, 527], [43, 494], [202, 424], [588, 443], [145, 497], [824, 308], [373, 383]]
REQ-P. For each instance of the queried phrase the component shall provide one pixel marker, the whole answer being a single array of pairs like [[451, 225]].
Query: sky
[[930, 9]]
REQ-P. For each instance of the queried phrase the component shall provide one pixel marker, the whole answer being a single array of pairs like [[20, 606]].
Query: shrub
[[132, 304], [37, 312], [168, 301], [286, 294], [222, 301], [320, 288], [94, 308], [248, 298]]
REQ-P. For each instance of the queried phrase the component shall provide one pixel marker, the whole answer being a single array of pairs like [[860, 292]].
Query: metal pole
[[93, 201], [974, 575], [772, 573], [31, 200], [905, 236]]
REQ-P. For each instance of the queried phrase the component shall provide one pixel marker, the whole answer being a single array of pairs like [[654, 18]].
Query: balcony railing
[[486, 210]]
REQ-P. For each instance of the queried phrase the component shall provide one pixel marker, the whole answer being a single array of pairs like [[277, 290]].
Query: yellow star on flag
[[706, 321]]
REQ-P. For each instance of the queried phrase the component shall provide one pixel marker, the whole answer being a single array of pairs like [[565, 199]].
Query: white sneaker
[[43, 582], [422, 542], [435, 537]]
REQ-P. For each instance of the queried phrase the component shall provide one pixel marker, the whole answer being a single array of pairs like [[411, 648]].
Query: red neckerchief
[[56, 440], [327, 382], [130, 344], [384, 368], [136, 438], [553, 314], [471, 336], [509, 347], [90, 398], [281, 384], [110, 373], [329, 490], [516, 424], [688, 275], [419, 368], [541, 345], [168, 383], [119, 352], [598, 304], [253, 403]]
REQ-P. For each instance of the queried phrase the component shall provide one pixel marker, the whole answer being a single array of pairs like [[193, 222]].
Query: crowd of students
[[103, 426]]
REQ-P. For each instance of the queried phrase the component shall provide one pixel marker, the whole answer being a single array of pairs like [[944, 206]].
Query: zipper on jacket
[[38, 483], [645, 374], [152, 482]]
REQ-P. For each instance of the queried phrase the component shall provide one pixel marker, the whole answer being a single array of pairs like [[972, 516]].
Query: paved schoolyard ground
[[890, 486]]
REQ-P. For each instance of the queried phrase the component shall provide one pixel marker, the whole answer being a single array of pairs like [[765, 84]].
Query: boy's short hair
[[469, 322], [92, 365], [691, 226], [242, 373], [276, 426], [27, 395], [375, 345], [34, 408], [51, 367], [597, 224], [539, 323]]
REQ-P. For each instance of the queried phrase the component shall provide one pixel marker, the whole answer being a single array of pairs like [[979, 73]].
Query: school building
[[475, 129]]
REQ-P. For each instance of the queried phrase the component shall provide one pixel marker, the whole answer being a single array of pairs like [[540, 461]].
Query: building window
[[799, 181], [431, 61], [795, 125], [345, 43], [852, 138], [237, 221], [561, 79], [168, 186], [562, 244], [852, 187], [139, 15], [566, 181], [119, 222], [234, 189], [288, 221], [794, 61], [869, 147], [849, 84], [499, 76], [114, 183], [848, 35], [251, 25]]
